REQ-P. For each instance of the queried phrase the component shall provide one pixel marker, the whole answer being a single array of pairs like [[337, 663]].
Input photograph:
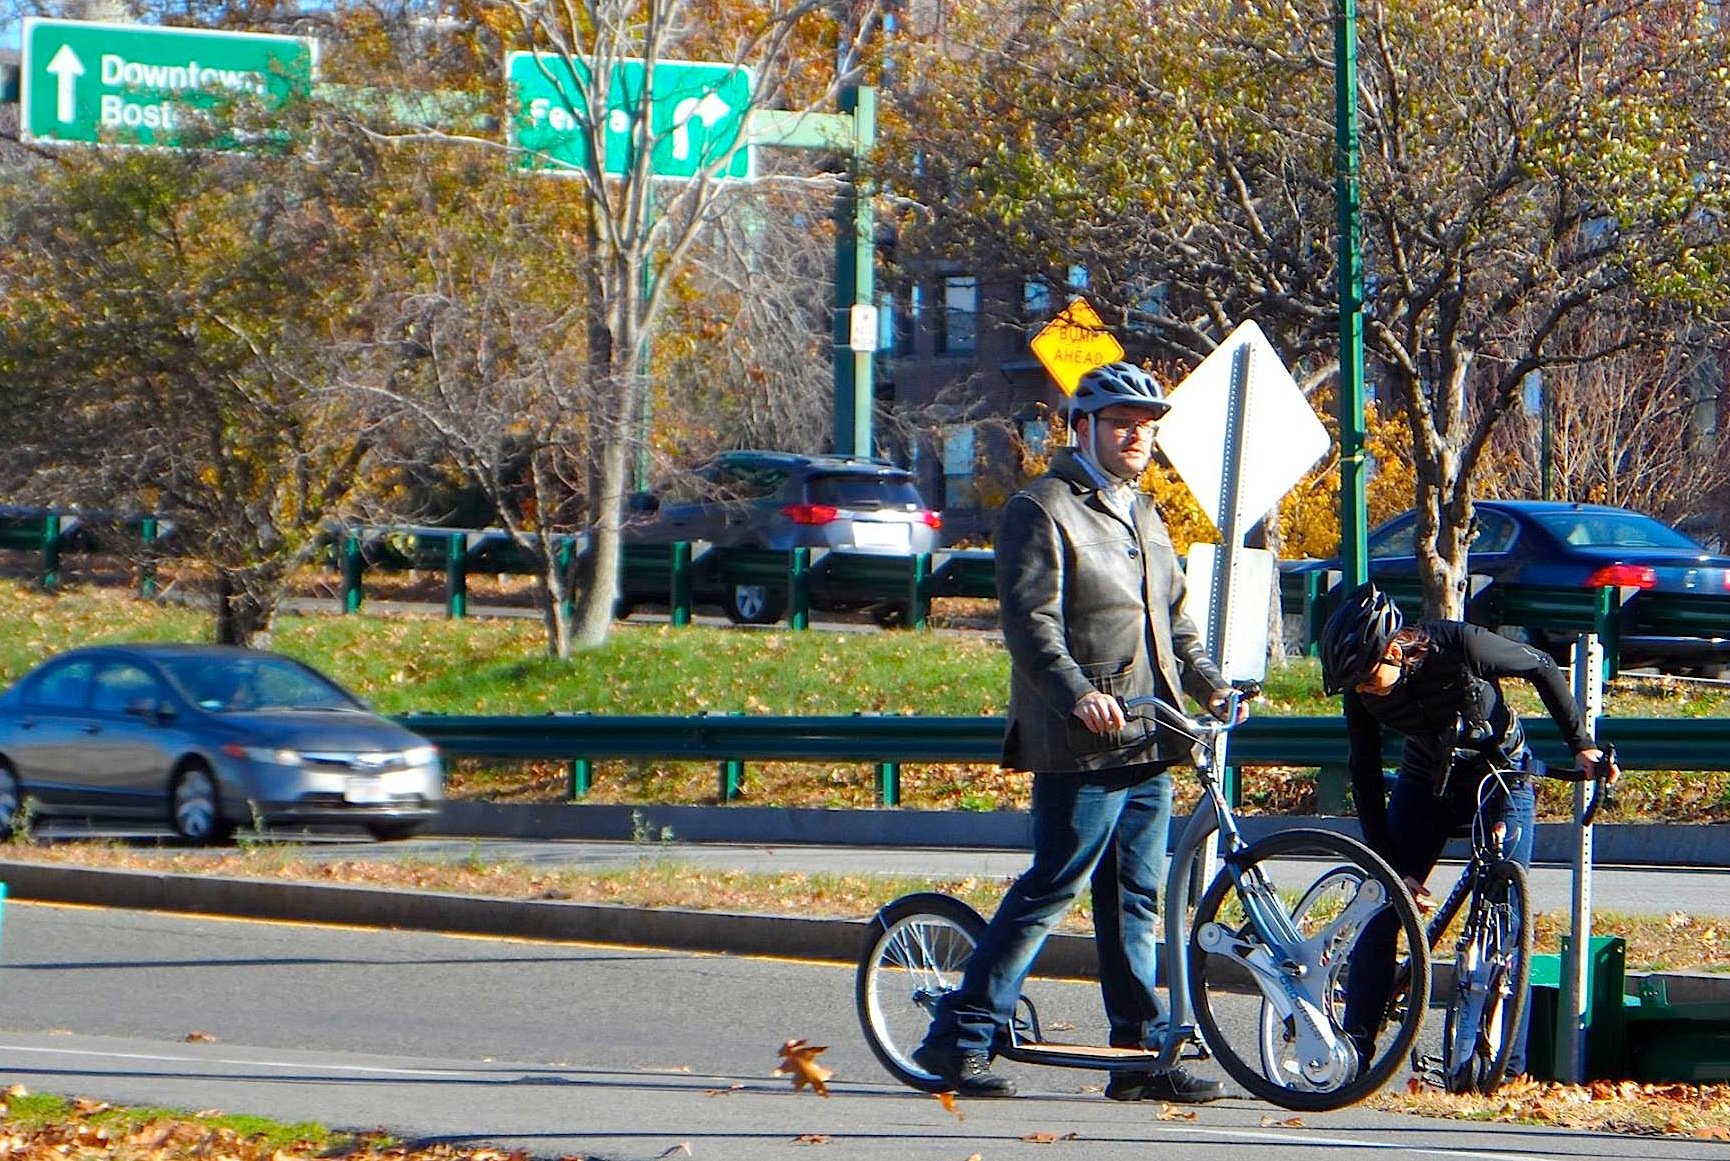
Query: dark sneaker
[[967, 1074], [1177, 1087]]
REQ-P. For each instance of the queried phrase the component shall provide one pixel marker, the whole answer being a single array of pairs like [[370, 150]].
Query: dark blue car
[[1555, 543]]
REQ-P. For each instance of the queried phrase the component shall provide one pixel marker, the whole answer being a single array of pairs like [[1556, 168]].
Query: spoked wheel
[[1274, 1015], [1492, 968], [916, 951]]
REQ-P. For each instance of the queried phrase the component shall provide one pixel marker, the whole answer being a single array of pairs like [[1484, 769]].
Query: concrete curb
[[833, 940], [1614, 844]]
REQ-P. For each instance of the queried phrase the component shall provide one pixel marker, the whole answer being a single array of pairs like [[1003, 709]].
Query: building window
[[1035, 299], [959, 321]]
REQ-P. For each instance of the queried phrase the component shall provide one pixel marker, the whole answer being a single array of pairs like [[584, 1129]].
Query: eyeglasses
[[1143, 425], [1394, 657]]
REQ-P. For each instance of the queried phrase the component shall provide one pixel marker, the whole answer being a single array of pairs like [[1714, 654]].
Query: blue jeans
[[1110, 827], [1420, 825]]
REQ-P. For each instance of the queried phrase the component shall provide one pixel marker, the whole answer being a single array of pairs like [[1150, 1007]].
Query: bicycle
[[1245, 950], [1486, 1002]]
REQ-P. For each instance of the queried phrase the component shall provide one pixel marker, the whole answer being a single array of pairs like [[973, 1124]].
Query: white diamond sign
[[1280, 439]]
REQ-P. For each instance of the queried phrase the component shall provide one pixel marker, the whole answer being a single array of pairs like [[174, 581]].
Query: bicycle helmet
[[1117, 383], [1356, 637]]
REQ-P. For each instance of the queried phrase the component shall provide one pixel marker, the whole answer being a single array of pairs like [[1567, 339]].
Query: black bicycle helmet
[[1117, 383], [1356, 637]]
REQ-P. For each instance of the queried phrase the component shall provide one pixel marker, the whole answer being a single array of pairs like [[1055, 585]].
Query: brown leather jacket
[[1079, 587]]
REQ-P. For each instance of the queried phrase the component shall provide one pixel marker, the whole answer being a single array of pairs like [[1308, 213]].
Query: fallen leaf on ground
[[1049, 1138], [799, 1058], [811, 1139], [1168, 1113], [197, 1037], [947, 1100], [730, 1089], [682, 1147], [1269, 1121]]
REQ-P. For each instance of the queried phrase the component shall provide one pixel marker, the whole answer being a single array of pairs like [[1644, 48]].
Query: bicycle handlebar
[[1204, 725]]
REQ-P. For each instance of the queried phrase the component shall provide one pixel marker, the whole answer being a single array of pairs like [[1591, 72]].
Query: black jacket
[[1456, 685]]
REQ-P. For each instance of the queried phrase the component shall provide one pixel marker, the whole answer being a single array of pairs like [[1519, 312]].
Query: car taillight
[[1632, 576], [811, 513], [935, 520]]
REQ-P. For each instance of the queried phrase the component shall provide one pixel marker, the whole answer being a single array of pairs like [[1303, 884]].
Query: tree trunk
[[241, 616], [600, 564]]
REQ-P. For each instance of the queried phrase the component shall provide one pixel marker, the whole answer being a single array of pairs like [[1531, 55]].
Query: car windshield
[[239, 684], [862, 491], [1612, 530]]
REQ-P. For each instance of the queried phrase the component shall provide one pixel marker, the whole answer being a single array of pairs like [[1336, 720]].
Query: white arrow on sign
[[67, 68], [709, 110]]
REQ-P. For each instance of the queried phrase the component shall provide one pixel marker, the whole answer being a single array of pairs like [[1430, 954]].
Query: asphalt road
[[573, 1050]]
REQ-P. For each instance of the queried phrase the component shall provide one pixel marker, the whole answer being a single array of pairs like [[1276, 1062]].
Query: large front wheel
[[1492, 976], [1271, 954], [917, 948]]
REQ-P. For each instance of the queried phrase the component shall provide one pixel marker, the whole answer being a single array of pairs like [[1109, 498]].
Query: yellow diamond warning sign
[[1074, 343]]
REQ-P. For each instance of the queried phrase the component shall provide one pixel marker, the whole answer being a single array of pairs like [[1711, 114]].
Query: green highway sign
[[138, 84], [696, 115]]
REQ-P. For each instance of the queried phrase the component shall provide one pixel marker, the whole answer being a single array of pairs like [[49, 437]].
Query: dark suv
[[782, 500]]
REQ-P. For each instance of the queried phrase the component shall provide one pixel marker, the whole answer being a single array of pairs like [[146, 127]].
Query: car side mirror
[[643, 503]]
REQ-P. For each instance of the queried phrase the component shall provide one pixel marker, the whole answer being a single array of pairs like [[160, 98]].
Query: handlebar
[[1202, 726], [1600, 784]]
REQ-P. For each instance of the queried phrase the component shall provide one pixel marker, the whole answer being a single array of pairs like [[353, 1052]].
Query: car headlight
[[420, 756], [264, 754]]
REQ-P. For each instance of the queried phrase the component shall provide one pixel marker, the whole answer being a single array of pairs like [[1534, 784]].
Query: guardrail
[[682, 573], [888, 741]]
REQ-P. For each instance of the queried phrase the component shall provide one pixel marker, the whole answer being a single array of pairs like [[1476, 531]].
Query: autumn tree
[[1526, 168], [170, 335]]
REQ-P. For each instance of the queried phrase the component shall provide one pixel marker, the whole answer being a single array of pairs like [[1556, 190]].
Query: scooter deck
[[1080, 1055]]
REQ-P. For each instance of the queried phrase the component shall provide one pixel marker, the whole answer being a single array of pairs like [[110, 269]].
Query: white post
[[1577, 966]]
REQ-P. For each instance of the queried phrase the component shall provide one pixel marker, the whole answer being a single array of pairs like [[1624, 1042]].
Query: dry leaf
[[811, 1139], [682, 1147], [1269, 1121], [1712, 1133], [197, 1037], [1168, 1113], [17, 1090], [1049, 1138], [1414, 1086], [85, 1106], [947, 1100], [732, 1088], [800, 1059]]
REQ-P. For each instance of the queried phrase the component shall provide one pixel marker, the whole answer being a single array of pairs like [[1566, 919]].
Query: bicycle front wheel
[[915, 953], [1492, 977], [1271, 953]]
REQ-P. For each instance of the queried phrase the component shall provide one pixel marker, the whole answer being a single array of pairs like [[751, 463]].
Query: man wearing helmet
[[1090, 595], [1437, 685]]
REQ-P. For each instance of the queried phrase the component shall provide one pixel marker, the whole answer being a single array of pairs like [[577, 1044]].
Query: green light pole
[[1353, 552], [855, 251]]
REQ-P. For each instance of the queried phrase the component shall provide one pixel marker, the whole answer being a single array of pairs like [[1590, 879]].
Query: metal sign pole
[[1231, 478], [1577, 965]]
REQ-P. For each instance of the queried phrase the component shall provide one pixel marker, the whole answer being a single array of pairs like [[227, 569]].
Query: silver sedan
[[206, 738]]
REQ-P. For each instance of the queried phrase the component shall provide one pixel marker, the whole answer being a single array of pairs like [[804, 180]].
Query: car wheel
[[390, 832], [11, 801], [754, 605], [196, 808]]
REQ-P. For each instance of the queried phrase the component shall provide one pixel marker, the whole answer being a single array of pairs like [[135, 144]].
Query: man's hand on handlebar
[[1595, 763], [1220, 703], [1100, 712]]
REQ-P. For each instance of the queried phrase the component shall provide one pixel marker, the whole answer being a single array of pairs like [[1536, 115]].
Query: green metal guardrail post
[[680, 584], [457, 576], [919, 591], [51, 550], [1316, 589], [582, 778], [147, 557], [352, 567], [1607, 624], [732, 784], [799, 588], [1331, 781], [563, 555], [888, 784]]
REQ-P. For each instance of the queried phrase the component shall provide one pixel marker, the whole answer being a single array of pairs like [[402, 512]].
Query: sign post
[[1240, 433], [147, 85]]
